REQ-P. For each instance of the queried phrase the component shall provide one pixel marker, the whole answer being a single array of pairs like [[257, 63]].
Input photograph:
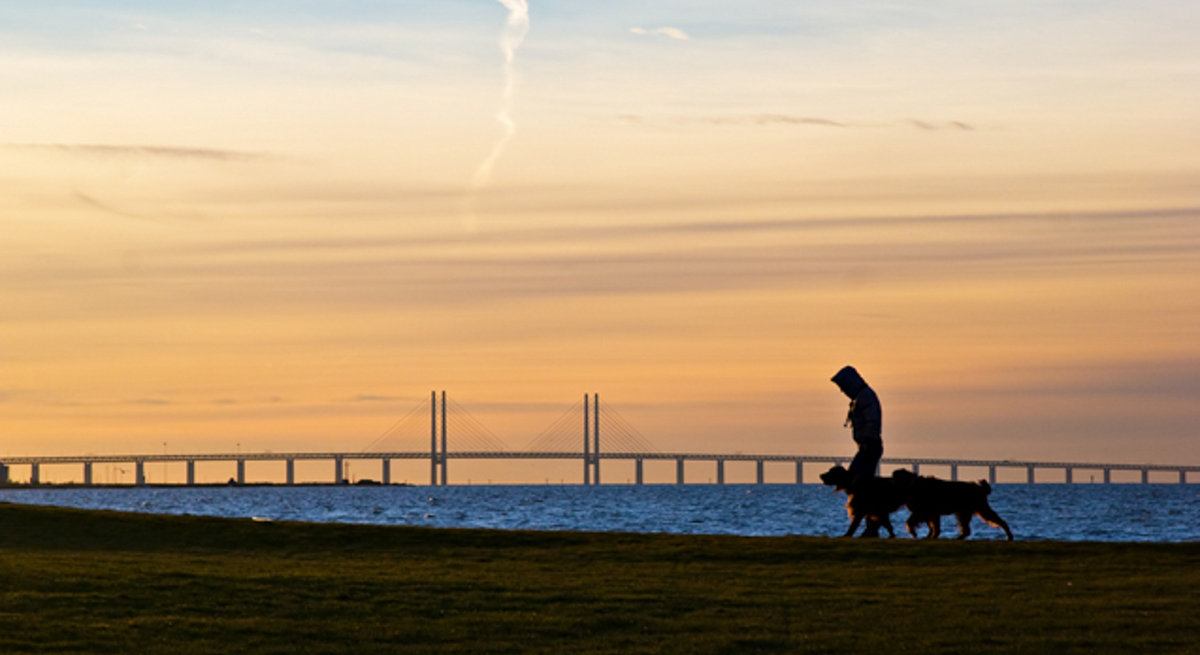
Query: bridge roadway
[[439, 463]]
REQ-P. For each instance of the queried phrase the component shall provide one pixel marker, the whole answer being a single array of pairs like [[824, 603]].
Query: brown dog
[[929, 499], [872, 499]]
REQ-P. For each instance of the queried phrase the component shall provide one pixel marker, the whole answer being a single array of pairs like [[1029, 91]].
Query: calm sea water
[[1081, 512]]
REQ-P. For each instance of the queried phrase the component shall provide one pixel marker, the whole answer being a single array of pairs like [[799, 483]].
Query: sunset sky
[[262, 225]]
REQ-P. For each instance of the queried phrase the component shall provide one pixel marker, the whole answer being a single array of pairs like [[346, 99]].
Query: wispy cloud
[[1134, 220], [764, 119], [1148, 379], [172, 152], [671, 259], [669, 32], [775, 119], [934, 126], [108, 209], [152, 402]]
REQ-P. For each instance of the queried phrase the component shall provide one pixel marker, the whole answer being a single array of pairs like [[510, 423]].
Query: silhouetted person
[[866, 419]]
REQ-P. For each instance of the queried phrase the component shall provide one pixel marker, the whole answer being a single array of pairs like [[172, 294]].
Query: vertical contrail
[[514, 32]]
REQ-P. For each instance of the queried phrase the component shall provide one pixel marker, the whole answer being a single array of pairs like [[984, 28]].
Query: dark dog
[[929, 499], [872, 499]]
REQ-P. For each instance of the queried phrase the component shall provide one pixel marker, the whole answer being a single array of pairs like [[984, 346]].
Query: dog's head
[[837, 477]]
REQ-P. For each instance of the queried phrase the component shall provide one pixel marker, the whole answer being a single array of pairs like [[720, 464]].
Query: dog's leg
[[964, 524], [935, 527], [988, 514], [911, 525], [855, 520], [872, 529], [886, 522]]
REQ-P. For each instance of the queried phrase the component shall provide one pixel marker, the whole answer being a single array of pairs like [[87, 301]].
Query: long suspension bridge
[[425, 433]]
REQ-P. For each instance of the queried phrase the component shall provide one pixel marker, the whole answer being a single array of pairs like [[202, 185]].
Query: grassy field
[[100, 582]]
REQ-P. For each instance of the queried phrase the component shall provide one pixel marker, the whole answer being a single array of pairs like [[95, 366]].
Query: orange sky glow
[[254, 228]]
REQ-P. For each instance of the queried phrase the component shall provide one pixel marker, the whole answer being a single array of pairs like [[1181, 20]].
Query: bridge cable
[[629, 438], [563, 435], [399, 428], [478, 437]]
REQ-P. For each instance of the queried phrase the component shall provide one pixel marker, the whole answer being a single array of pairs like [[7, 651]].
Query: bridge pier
[[1029, 474], [35, 474], [241, 471], [1182, 476], [140, 473], [799, 472], [1107, 476], [291, 471], [87, 474], [678, 470], [191, 472], [1145, 476], [4, 474], [992, 474], [1070, 477], [759, 477], [386, 465], [637, 467], [337, 470], [720, 471], [916, 468], [954, 472]]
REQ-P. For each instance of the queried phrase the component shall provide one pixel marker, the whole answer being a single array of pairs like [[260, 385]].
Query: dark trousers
[[866, 461]]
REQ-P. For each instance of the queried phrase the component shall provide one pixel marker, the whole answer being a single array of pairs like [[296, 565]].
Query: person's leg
[[862, 467], [865, 461]]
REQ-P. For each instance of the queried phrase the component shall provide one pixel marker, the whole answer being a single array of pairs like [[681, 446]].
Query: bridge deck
[[462, 455]]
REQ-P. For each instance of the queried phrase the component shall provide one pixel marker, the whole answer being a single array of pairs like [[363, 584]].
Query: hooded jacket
[[866, 415]]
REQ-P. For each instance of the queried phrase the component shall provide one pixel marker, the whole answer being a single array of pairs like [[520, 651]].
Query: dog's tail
[[987, 488]]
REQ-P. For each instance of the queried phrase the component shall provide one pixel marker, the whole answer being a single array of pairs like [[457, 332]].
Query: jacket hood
[[849, 381]]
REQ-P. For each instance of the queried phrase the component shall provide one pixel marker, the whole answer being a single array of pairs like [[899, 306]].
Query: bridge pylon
[[438, 470], [591, 442]]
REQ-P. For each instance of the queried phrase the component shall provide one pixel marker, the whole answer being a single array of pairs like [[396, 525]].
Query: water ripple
[[1082, 512]]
